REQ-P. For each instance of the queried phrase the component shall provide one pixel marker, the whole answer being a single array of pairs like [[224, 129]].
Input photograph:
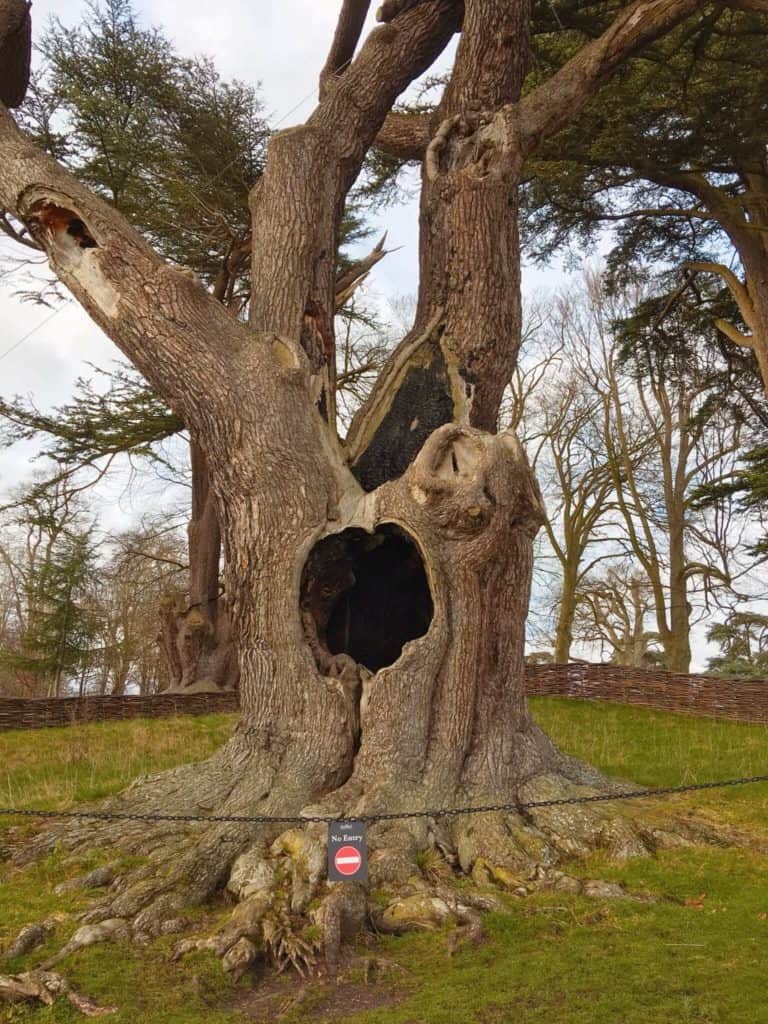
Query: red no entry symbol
[[347, 860]]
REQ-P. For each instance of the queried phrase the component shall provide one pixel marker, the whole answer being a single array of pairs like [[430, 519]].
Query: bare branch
[[348, 30]]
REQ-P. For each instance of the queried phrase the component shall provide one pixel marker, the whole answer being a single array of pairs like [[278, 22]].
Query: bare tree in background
[[612, 612], [663, 440]]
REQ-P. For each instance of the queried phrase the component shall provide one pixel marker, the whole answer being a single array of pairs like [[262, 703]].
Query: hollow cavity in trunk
[[366, 595]]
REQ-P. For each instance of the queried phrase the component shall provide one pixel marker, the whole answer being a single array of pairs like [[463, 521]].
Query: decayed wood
[[469, 265]]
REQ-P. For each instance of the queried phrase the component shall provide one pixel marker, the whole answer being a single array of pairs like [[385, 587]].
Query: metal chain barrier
[[371, 819]]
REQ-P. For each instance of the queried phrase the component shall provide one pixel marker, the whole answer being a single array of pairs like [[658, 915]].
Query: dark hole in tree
[[366, 595]]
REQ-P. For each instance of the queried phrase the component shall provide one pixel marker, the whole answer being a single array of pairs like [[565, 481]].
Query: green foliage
[[57, 635], [96, 424], [693, 104], [749, 484], [569, 960], [177, 150], [169, 143], [670, 338], [743, 642]]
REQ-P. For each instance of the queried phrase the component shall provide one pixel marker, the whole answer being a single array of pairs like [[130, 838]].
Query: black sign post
[[347, 853]]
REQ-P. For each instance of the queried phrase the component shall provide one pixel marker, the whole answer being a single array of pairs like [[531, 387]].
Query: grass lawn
[[698, 955]]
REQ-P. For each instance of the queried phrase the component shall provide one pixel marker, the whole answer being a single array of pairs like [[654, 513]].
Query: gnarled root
[[288, 915], [46, 987]]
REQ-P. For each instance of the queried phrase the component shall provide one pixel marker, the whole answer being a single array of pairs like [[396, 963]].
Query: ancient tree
[[378, 584]]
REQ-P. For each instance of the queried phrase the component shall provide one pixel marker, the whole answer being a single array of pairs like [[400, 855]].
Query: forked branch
[[517, 129]]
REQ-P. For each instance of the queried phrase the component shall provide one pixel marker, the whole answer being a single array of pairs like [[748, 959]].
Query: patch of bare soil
[[286, 999]]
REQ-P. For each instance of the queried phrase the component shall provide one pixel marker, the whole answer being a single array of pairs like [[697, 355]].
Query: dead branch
[[349, 281]]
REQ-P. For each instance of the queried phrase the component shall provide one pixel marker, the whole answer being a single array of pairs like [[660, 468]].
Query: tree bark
[[196, 636], [566, 615], [15, 51], [333, 718]]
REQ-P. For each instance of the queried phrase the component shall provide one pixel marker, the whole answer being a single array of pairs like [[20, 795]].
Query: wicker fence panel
[[704, 696], [37, 714], [744, 700]]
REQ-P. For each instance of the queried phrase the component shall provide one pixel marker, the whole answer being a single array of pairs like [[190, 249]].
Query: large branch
[[296, 207], [734, 285], [405, 136], [517, 129], [348, 30], [165, 323], [15, 51], [555, 103]]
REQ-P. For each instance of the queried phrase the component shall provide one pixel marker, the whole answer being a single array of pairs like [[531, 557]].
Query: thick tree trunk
[[196, 636], [378, 590], [676, 639], [566, 614], [15, 51]]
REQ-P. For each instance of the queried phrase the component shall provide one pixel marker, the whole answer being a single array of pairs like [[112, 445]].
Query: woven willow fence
[[705, 696]]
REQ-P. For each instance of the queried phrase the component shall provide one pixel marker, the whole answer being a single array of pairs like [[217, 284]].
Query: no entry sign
[[347, 855]]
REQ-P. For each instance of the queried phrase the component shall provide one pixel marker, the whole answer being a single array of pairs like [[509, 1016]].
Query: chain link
[[371, 819]]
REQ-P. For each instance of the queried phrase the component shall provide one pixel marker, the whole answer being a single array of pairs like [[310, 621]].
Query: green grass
[[58, 768], [695, 957], [655, 748]]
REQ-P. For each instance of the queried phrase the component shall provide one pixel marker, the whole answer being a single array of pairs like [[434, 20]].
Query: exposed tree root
[[45, 987], [285, 912]]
